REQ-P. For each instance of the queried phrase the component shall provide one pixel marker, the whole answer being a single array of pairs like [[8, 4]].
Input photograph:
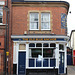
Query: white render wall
[[72, 41]]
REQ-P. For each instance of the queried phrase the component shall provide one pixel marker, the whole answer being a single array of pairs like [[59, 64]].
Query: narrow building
[[37, 37], [2, 36], [72, 44]]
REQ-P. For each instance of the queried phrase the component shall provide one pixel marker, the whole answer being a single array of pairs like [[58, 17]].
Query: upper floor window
[[34, 18], [1, 14], [39, 20], [45, 21]]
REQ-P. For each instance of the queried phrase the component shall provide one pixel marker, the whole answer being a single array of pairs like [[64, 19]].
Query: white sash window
[[34, 18], [45, 21], [1, 14]]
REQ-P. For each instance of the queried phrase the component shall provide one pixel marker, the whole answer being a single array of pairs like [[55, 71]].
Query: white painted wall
[[72, 41]]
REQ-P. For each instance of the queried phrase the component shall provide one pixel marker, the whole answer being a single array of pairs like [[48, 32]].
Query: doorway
[[61, 62], [22, 63]]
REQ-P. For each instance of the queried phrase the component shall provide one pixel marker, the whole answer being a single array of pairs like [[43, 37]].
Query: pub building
[[38, 37]]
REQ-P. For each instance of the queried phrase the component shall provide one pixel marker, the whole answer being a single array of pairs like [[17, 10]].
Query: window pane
[[61, 47], [52, 45], [34, 25], [45, 45], [0, 20], [33, 16], [38, 45], [45, 17], [22, 47], [1, 13], [33, 20], [44, 25], [45, 20], [31, 45], [47, 52], [36, 52]]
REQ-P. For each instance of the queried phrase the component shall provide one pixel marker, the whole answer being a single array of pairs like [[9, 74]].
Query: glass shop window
[[41, 51], [32, 45], [38, 45], [61, 47], [48, 52], [52, 45], [45, 45], [22, 47], [35, 52]]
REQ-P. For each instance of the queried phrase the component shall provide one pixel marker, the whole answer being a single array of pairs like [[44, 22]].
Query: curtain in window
[[45, 20], [33, 20]]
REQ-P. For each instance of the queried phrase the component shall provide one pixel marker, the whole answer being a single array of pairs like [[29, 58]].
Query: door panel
[[22, 63], [61, 63]]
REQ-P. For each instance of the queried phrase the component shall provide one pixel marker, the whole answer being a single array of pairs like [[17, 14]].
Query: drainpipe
[[6, 39]]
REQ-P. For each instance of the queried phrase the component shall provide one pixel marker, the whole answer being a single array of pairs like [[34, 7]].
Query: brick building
[[37, 37], [2, 35]]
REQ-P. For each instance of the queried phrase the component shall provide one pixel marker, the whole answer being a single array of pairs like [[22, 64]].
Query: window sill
[[45, 29], [39, 30], [2, 24], [34, 29]]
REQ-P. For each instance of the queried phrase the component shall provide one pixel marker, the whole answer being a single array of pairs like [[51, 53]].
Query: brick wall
[[1, 54], [1, 62], [20, 20]]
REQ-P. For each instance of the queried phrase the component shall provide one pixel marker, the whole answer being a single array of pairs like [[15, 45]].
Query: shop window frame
[[41, 48]]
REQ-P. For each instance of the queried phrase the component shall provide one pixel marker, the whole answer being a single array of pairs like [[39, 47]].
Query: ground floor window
[[41, 49], [42, 55], [35, 52]]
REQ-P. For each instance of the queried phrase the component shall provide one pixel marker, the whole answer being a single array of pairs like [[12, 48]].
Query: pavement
[[71, 70]]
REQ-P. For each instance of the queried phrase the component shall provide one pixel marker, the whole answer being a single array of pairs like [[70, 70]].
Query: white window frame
[[40, 48], [34, 21], [45, 21], [2, 15]]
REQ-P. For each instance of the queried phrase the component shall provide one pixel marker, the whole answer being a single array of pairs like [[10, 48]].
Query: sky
[[71, 16]]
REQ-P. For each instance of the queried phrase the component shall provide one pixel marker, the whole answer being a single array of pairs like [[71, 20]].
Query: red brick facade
[[20, 17], [19, 22], [2, 54]]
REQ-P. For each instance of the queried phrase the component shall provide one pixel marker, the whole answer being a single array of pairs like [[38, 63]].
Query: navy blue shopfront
[[22, 63], [42, 55]]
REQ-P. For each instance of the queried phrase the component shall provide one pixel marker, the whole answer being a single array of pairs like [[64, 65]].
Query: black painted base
[[41, 71]]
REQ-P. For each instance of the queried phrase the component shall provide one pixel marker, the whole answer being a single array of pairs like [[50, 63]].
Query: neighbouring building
[[37, 37], [2, 36], [72, 44]]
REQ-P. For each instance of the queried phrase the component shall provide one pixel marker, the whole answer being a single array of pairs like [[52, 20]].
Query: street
[[71, 70]]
